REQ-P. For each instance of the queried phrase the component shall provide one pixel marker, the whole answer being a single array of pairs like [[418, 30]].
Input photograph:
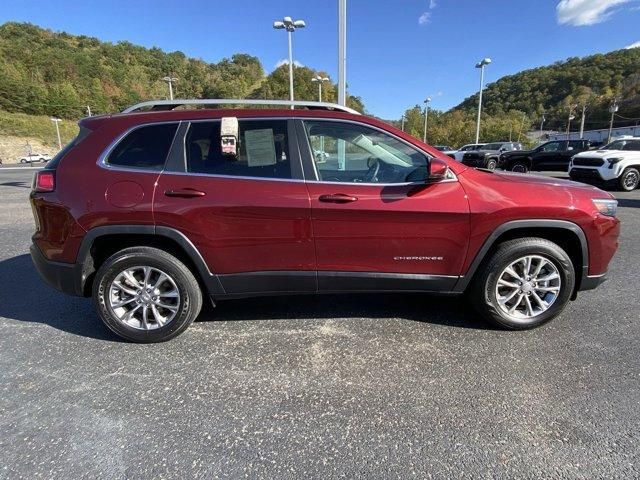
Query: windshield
[[623, 145]]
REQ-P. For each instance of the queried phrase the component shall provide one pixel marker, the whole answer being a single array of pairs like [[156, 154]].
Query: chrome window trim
[[102, 159], [373, 127]]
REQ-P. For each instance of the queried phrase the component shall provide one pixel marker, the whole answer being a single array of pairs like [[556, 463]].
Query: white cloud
[[579, 13], [424, 18], [285, 61], [633, 45], [432, 4]]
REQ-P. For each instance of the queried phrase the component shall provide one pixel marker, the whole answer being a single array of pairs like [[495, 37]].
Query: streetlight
[[542, 124], [319, 80], [426, 116], [571, 117], [290, 26], [56, 120], [612, 109], [170, 81], [403, 118], [481, 64]]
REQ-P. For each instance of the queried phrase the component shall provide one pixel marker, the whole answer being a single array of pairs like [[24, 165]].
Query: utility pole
[[613, 109], [402, 128], [169, 79], [584, 109], [342, 52], [56, 120], [542, 124], [88, 110], [290, 26], [481, 64], [426, 117]]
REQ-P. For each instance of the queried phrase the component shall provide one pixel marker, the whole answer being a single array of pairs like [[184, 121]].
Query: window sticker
[[260, 146]]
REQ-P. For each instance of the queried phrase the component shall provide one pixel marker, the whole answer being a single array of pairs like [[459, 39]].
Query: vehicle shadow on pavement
[[26, 298], [451, 311]]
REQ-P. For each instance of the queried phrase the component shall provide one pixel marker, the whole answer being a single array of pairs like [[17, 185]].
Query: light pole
[[571, 117], [342, 53], [402, 127], [481, 64], [290, 26], [426, 116], [613, 109], [542, 124], [584, 109], [56, 120], [319, 80], [170, 81]]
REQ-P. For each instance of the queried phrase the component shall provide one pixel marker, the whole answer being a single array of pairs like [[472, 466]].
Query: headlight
[[613, 161], [606, 206]]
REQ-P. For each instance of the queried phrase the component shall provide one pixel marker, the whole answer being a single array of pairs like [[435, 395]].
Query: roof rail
[[171, 104]]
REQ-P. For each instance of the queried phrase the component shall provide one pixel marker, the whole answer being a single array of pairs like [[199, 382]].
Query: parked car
[[614, 165], [489, 155], [35, 157], [443, 148], [152, 213], [458, 154], [550, 156]]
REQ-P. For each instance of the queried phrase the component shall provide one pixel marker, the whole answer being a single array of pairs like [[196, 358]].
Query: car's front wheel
[[629, 179], [492, 163], [146, 295], [520, 167], [524, 284]]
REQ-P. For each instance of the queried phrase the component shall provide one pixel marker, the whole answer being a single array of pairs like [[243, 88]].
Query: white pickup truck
[[614, 165]]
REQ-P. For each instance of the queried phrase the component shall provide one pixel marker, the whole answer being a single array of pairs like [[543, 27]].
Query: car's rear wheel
[[629, 179], [146, 295], [525, 283], [520, 167]]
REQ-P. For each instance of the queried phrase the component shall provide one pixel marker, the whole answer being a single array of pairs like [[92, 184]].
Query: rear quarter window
[[144, 148]]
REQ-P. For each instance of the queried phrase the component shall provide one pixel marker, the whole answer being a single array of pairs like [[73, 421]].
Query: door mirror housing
[[437, 170]]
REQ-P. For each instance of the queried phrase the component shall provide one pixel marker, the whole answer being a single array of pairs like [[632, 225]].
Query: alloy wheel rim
[[144, 298], [631, 180], [528, 287], [519, 169]]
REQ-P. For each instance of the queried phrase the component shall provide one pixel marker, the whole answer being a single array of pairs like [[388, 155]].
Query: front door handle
[[184, 193], [337, 198]]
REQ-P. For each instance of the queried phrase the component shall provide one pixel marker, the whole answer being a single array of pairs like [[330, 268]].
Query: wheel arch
[[101, 242], [568, 235]]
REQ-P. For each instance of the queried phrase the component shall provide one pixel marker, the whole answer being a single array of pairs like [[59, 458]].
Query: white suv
[[458, 154], [35, 157], [616, 164]]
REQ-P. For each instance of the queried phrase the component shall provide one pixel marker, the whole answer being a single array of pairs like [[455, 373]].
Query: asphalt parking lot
[[317, 387]]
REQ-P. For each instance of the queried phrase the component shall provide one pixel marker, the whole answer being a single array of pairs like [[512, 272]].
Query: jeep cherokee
[[151, 212]]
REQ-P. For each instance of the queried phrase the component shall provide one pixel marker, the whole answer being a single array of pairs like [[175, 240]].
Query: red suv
[[151, 211]]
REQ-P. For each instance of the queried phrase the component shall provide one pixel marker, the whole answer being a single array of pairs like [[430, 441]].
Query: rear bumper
[[64, 277]]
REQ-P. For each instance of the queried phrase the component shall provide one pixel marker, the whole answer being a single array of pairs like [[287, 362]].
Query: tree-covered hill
[[50, 73], [595, 81]]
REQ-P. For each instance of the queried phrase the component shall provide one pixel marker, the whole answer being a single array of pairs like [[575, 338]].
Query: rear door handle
[[184, 193], [337, 198]]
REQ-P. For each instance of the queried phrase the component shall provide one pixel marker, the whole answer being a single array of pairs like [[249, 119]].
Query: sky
[[398, 51]]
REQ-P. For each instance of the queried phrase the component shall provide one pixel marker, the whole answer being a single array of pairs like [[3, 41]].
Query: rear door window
[[263, 150], [144, 148]]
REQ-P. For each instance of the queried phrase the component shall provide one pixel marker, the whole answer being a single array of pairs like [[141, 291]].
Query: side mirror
[[437, 170]]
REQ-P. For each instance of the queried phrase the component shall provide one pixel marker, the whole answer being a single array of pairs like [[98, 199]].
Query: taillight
[[45, 181]]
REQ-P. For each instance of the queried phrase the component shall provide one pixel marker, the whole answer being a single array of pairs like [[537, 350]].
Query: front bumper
[[64, 277]]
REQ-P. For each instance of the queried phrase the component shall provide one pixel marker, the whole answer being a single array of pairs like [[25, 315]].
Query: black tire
[[23, 160], [483, 292], [629, 180], [190, 294], [492, 163], [520, 167]]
